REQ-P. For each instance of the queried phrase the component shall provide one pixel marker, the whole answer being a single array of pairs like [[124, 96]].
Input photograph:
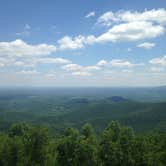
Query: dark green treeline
[[27, 145]]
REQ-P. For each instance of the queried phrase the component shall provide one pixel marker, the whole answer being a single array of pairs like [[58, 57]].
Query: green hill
[[59, 112]]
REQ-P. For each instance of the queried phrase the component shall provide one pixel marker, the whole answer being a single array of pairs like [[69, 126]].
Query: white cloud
[[48, 60], [28, 72], [101, 66], [32, 62], [102, 63], [123, 63], [18, 63], [81, 73], [69, 43], [76, 67], [127, 71], [131, 31], [91, 68], [11, 61], [107, 19], [159, 61], [123, 26], [154, 15], [20, 54], [20, 49], [146, 45], [79, 70], [91, 14], [72, 67], [157, 69]]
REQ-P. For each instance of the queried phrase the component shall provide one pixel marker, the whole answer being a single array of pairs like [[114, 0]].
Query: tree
[[35, 147], [87, 147], [66, 148], [18, 129], [115, 145], [10, 151]]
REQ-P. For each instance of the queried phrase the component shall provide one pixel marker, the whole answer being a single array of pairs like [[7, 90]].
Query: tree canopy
[[117, 145]]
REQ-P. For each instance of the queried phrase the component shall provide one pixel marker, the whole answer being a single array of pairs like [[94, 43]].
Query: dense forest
[[60, 111], [117, 145], [82, 128]]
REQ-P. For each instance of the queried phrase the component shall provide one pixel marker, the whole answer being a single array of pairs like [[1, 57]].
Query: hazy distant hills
[[141, 116], [74, 109], [143, 94], [142, 108]]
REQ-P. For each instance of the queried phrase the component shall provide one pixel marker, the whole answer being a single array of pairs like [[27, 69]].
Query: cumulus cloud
[[90, 14], [122, 26], [20, 48], [69, 43], [102, 66], [131, 31], [146, 45], [123, 63], [20, 54], [79, 70], [154, 15], [159, 61], [107, 19]]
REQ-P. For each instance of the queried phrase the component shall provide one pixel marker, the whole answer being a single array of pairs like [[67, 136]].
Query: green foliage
[[10, 150], [27, 145], [18, 129], [58, 112], [115, 145], [35, 146]]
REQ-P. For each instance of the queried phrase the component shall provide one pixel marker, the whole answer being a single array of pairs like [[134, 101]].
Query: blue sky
[[82, 43]]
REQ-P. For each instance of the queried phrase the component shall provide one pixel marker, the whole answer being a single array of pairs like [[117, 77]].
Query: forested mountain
[[60, 108]]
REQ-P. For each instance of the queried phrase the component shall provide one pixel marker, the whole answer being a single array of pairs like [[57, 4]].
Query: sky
[[82, 43]]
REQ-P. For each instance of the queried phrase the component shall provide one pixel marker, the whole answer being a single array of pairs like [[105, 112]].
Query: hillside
[[57, 111]]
